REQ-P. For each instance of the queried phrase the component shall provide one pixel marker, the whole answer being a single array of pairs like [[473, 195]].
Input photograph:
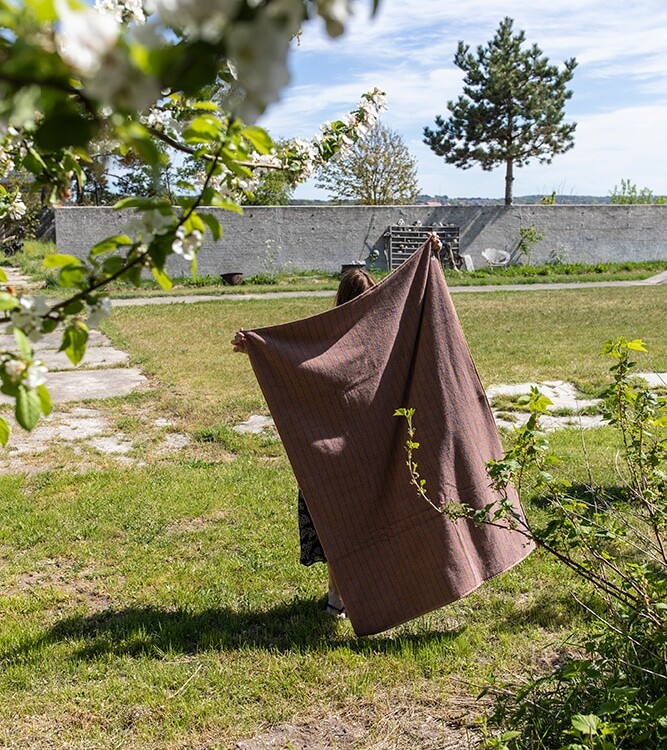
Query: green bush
[[613, 692]]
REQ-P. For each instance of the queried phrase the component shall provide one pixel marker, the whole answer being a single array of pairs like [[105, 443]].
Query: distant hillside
[[445, 200], [521, 200]]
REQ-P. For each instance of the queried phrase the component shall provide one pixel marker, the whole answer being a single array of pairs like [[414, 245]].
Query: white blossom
[[84, 37], [98, 311], [30, 315], [36, 375], [148, 224], [123, 11], [187, 245], [258, 50], [14, 369], [197, 20], [17, 208], [119, 84]]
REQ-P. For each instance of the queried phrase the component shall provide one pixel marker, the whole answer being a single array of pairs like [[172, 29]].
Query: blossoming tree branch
[[191, 75]]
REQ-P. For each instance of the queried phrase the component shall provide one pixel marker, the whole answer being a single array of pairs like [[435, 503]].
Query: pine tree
[[511, 110]]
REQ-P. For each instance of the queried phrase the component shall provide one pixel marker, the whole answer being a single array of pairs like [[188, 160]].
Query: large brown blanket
[[332, 383]]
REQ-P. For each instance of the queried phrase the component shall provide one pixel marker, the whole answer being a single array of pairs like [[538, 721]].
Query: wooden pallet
[[402, 241]]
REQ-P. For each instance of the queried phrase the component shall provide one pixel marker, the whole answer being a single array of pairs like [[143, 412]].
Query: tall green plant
[[528, 237], [628, 193], [615, 694]]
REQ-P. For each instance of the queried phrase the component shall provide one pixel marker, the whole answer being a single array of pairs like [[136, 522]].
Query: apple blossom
[[35, 375], [186, 245], [84, 37]]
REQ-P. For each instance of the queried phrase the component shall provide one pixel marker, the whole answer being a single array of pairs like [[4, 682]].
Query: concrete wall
[[266, 239]]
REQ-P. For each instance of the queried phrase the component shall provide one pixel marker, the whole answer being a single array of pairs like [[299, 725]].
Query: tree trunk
[[509, 179]]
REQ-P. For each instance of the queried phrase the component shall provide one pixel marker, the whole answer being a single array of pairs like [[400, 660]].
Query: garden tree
[[377, 170], [139, 76], [275, 187], [511, 110]]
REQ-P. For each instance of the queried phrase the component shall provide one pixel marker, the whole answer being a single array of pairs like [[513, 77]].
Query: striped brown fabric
[[332, 383]]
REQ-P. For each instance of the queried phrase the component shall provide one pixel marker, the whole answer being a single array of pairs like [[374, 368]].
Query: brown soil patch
[[398, 721]]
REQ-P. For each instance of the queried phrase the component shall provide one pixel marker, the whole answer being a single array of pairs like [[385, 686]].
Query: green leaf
[[74, 307], [193, 222], [8, 301], [28, 407], [140, 140], [23, 343], [71, 276], [259, 138], [203, 129], [5, 432], [112, 265], [3, 275], [63, 127], [44, 399], [206, 105], [220, 201], [138, 202], [109, 245], [74, 341], [586, 723], [162, 278], [34, 162], [637, 345], [49, 325], [133, 275], [43, 10], [213, 224], [57, 260]]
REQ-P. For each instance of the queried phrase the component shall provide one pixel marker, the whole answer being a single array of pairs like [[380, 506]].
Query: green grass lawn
[[30, 261], [160, 604]]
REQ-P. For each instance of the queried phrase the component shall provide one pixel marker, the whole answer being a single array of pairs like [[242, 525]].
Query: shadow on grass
[[593, 496], [150, 631]]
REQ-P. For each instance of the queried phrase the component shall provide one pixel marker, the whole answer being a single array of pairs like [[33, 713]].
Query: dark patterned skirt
[[311, 549]]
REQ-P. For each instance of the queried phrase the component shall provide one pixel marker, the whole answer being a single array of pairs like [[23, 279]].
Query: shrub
[[614, 693]]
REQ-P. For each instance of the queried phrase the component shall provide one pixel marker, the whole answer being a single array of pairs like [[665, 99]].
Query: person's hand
[[436, 243], [239, 342]]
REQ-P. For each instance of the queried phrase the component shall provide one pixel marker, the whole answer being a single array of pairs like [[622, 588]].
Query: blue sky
[[619, 88]]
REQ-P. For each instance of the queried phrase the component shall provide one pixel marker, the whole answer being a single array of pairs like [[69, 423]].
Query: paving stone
[[563, 395], [111, 444], [654, 379], [53, 341], [96, 356], [255, 424], [80, 385]]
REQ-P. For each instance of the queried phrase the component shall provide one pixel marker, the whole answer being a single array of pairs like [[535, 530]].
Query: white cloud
[[408, 49]]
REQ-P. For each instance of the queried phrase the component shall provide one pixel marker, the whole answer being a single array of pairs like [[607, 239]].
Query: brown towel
[[332, 383]]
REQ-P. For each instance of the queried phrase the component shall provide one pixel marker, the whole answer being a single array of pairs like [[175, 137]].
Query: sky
[[619, 87]]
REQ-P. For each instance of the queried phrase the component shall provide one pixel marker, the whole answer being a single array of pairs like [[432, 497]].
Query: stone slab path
[[97, 376]]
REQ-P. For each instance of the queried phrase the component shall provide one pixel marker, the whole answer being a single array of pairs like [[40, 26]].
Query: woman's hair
[[352, 284]]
